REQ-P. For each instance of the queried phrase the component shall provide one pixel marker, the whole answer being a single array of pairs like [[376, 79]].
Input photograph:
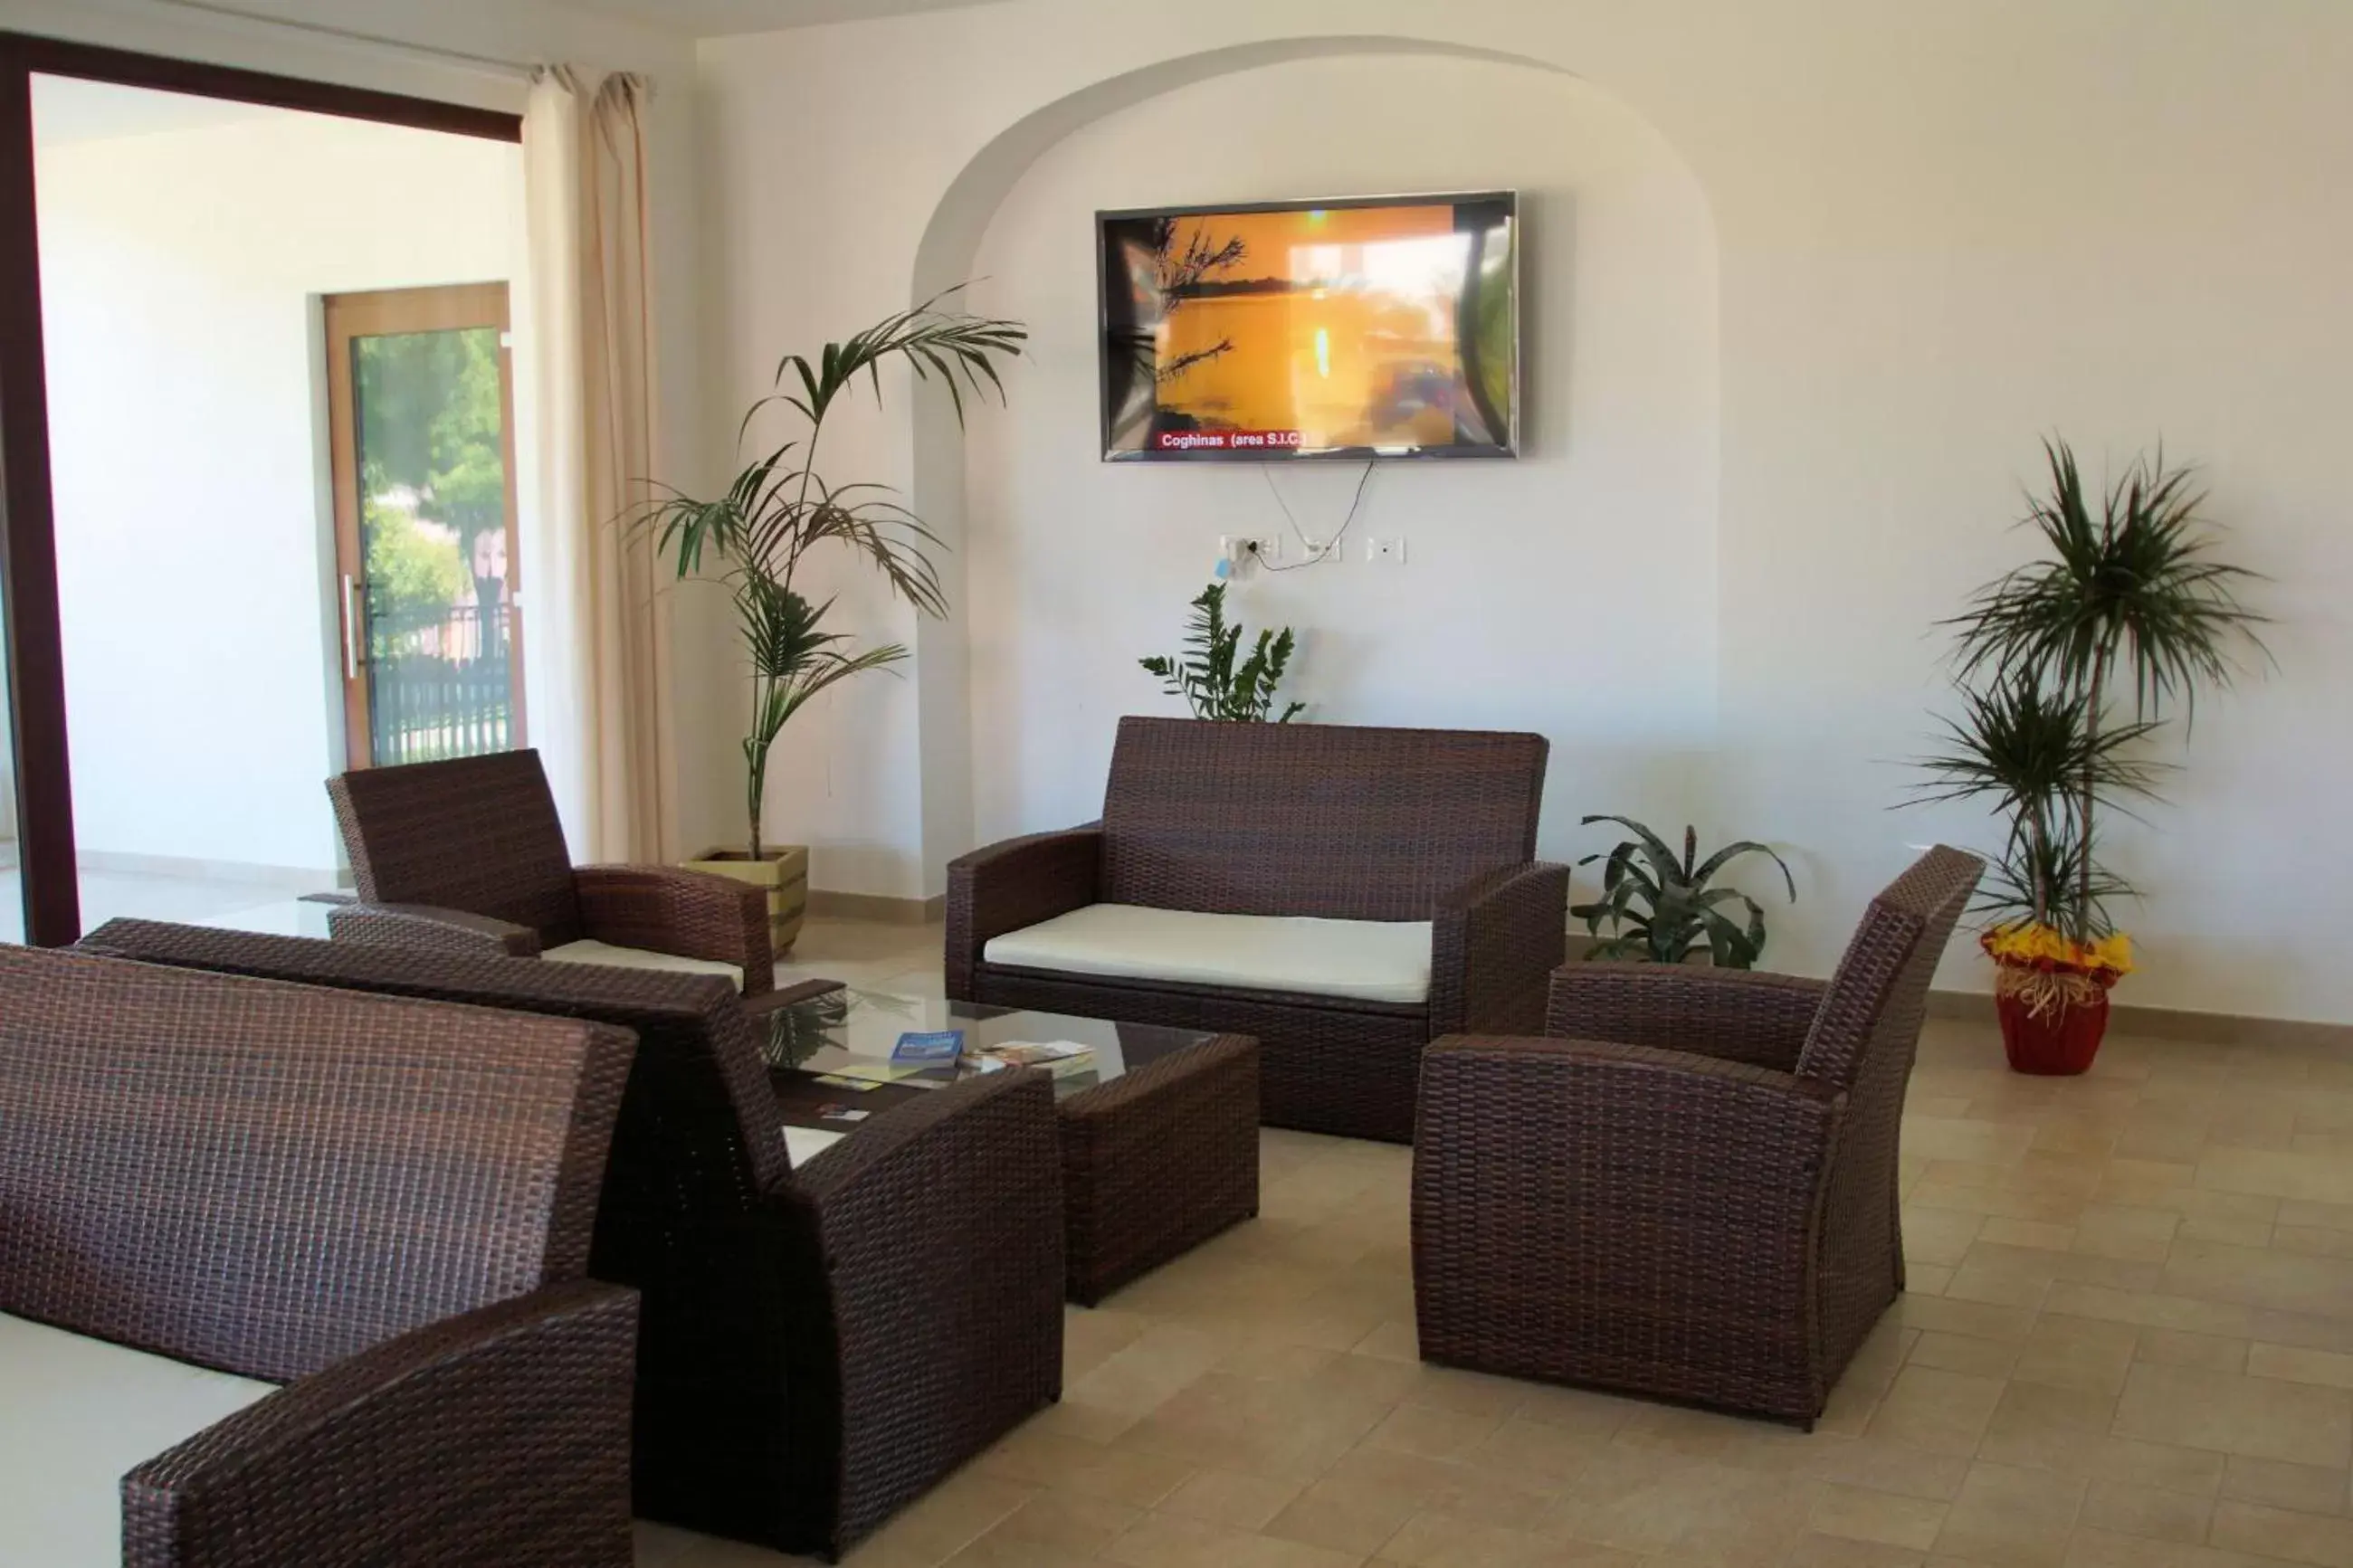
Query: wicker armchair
[[467, 856], [1325, 821], [821, 1345], [1687, 1189], [383, 1208]]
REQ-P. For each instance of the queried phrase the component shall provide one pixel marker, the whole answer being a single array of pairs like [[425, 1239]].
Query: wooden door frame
[[378, 312], [29, 558]]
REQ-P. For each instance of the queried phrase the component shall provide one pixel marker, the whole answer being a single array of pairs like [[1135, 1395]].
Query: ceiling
[[705, 18]]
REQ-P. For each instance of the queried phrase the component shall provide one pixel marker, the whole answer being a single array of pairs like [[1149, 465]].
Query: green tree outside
[[430, 451]]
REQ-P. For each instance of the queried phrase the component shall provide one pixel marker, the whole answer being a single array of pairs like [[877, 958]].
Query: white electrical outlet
[[1390, 552], [1314, 549], [1241, 548]]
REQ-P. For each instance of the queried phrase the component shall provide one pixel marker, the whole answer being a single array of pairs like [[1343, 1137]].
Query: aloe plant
[[1664, 907], [1213, 677]]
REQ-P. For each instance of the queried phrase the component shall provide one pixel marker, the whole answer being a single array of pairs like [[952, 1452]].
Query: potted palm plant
[[2127, 613], [777, 512]]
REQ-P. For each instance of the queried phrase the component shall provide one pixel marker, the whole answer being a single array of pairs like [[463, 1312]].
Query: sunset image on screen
[[1308, 330]]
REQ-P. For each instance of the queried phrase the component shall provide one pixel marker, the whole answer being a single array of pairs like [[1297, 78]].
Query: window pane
[[433, 528]]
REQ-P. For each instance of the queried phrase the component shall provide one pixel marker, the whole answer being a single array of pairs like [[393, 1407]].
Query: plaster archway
[[944, 257]]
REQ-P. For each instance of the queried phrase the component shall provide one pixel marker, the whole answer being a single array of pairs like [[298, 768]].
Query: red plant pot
[[2058, 1044]]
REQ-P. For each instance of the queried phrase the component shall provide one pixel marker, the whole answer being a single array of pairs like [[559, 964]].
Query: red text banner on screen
[[1224, 440]]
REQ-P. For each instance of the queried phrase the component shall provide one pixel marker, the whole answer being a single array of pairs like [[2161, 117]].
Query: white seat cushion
[[80, 1414], [640, 958], [1363, 961], [803, 1144]]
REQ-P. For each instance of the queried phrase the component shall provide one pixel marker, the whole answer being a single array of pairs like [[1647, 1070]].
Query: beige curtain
[[610, 745]]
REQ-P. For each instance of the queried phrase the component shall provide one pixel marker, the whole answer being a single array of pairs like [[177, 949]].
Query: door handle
[[351, 630]]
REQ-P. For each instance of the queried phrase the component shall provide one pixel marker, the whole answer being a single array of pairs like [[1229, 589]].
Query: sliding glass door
[[183, 669]]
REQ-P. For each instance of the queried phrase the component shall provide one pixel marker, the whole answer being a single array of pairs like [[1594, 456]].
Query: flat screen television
[[1375, 327]]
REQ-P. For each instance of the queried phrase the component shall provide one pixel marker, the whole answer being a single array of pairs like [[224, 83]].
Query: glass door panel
[[420, 393]]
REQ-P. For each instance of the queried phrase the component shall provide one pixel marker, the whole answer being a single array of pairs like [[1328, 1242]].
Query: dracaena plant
[[2069, 664], [2026, 751], [1214, 676], [756, 536], [1666, 908]]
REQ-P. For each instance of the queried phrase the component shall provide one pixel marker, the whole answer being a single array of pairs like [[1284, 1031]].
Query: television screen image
[[1383, 326]]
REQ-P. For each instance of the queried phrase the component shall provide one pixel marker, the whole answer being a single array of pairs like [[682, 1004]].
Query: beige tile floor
[[107, 894], [2128, 1342]]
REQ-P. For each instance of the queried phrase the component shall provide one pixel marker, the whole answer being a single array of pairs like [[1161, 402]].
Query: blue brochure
[[937, 1047]]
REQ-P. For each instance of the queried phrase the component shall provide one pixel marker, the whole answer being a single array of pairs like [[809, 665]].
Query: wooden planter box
[[784, 872]]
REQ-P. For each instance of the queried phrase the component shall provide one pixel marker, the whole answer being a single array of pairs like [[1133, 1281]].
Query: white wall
[[1941, 231], [1077, 568], [180, 271]]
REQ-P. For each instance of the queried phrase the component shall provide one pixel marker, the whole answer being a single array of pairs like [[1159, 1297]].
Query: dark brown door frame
[[28, 554]]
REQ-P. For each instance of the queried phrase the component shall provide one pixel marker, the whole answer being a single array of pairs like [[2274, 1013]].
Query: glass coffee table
[[1159, 1126]]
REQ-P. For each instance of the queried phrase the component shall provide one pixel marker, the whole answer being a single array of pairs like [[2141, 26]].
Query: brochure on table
[[877, 1021]]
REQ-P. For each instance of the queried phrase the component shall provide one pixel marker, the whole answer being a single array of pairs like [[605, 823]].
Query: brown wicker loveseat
[[1392, 873], [211, 1187], [1688, 1188], [468, 856], [820, 1345]]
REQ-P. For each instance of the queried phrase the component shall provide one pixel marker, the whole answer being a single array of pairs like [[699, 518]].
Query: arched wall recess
[[946, 257]]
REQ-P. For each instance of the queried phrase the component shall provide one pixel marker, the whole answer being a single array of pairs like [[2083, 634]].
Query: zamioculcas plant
[[1213, 678], [1663, 909]]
